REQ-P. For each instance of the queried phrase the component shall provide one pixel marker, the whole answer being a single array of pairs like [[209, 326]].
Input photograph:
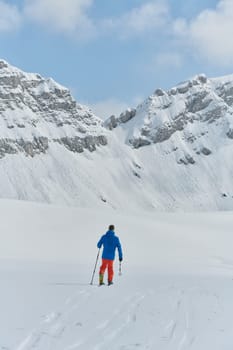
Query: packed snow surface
[[175, 291]]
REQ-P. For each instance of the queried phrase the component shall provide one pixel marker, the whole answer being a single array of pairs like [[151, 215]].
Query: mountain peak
[[3, 64], [169, 114], [173, 151], [35, 108]]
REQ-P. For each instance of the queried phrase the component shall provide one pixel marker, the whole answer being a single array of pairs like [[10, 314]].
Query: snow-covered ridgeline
[[173, 152], [36, 112], [186, 109]]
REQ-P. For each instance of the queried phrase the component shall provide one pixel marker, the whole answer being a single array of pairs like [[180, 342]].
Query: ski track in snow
[[144, 319], [53, 325]]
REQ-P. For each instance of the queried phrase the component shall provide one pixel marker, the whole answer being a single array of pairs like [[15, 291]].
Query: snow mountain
[[187, 111], [42, 129], [183, 138], [36, 112], [172, 152]]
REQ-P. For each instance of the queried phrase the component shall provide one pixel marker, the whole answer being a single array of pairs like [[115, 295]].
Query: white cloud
[[149, 16], [168, 59], [108, 107], [10, 18], [72, 17], [66, 16], [210, 33]]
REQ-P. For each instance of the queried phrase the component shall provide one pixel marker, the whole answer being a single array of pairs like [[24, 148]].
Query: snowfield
[[175, 292]]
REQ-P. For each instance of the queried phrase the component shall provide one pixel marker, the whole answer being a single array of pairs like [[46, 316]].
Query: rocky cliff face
[[188, 112], [37, 112]]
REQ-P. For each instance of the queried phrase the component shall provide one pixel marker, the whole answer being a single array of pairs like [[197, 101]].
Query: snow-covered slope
[[42, 129], [182, 139], [175, 291], [172, 152]]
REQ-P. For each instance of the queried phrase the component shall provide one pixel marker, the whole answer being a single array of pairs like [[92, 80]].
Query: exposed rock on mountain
[[36, 112], [173, 152], [187, 109]]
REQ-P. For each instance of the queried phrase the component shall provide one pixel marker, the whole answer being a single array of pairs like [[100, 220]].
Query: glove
[[120, 259]]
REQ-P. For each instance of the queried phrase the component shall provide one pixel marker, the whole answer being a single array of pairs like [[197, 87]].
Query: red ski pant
[[107, 264]]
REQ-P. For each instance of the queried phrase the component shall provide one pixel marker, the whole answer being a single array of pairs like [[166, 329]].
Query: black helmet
[[111, 227]]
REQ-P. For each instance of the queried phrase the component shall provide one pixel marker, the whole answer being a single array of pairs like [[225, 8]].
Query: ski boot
[[101, 279]]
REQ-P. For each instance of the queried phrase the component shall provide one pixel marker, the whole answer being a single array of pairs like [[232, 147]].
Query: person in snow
[[110, 242]]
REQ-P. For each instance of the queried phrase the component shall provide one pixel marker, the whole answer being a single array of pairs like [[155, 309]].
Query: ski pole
[[95, 266], [120, 273]]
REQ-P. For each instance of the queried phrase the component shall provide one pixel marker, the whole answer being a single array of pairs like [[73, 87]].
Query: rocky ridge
[[36, 112], [186, 112]]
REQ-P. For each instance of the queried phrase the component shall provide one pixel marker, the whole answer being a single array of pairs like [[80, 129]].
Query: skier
[[110, 243]]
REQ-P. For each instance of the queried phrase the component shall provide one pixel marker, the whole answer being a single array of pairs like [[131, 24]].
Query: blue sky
[[112, 54]]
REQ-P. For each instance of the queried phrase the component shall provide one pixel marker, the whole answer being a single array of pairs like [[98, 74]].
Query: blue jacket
[[110, 243]]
